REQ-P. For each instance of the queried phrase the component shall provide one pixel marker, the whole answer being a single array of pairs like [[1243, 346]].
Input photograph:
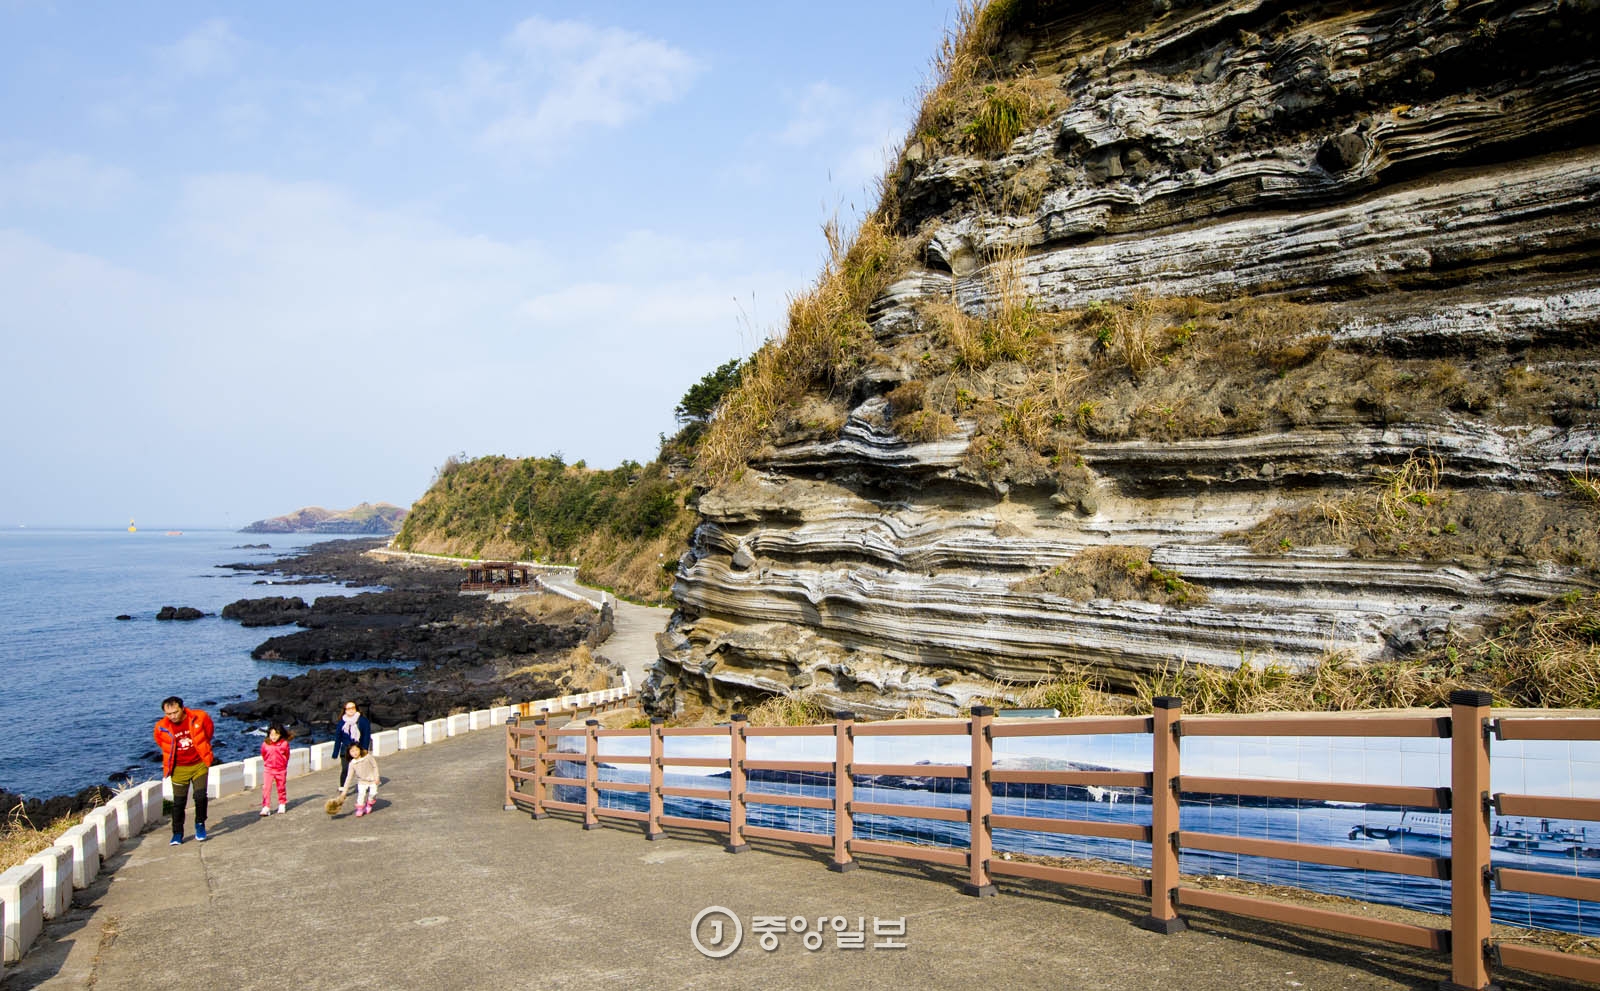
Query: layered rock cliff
[[1221, 331]]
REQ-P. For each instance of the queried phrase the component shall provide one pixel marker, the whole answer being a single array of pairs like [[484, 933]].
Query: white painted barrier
[[22, 891], [104, 821], [56, 865], [42, 887], [386, 742], [322, 756], [150, 791], [225, 779], [84, 842], [130, 814]]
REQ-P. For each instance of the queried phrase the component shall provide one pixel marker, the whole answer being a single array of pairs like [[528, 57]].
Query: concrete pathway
[[633, 641], [441, 889], [632, 644]]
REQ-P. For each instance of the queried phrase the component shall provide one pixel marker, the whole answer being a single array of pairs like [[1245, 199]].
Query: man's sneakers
[[282, 808], [265, 811], [200, 832], [175, 841]]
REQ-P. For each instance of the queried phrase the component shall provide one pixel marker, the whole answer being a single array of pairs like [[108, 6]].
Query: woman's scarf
[[350, 726]]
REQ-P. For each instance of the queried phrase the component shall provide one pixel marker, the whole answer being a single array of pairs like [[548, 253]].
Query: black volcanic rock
[[41, 812], [179, 613], [273, 610]]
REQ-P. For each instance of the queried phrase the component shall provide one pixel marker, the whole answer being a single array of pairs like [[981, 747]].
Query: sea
[[80, 690]]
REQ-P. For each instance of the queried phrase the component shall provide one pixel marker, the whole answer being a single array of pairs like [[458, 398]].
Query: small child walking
[[275, 768], [364, 775]]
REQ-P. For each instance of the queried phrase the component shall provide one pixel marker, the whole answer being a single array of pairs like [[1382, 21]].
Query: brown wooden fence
[[1464, 934]]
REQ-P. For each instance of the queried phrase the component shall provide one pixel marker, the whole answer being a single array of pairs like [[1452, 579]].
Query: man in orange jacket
[[184, 736]]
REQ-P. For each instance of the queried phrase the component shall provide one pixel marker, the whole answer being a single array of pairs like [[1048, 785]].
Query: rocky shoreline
[[432, 651]]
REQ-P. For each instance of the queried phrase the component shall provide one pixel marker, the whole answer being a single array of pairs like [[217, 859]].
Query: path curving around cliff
[[632, 643]]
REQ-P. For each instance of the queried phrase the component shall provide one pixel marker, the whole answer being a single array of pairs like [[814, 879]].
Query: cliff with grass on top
[[624, 528], [1231, 348]]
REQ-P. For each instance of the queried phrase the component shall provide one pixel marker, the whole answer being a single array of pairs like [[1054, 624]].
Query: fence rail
[[1464, 935]]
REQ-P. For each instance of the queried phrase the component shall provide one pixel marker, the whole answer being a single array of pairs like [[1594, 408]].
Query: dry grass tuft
[[826, 340], [794, 709], [1585, 485], [21, 839], [1543, 656], [1406, 513], [1115, 572]]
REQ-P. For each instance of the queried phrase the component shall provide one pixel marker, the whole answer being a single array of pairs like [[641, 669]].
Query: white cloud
[[817, 111], [857, 140], [557, 79], [210, 49], [61, 180]]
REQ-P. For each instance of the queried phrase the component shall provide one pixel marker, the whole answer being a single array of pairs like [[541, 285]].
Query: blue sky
[[255, 258]]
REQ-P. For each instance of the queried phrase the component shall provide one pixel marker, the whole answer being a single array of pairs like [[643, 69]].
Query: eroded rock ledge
[[1423, 174]]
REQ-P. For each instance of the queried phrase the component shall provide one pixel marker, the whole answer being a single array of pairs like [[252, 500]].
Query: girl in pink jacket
[[275, 768]]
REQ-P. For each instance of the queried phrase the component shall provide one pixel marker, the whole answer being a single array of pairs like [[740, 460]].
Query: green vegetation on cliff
[[624, 528]]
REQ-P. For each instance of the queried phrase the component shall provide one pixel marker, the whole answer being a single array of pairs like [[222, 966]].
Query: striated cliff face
[[1272, 334]]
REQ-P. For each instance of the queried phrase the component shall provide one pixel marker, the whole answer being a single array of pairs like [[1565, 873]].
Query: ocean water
[[80, 690]]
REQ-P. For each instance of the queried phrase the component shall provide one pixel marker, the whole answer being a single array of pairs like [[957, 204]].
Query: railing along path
[[1464, 935]]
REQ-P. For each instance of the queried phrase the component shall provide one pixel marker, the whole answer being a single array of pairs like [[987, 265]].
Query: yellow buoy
[[132, 528]]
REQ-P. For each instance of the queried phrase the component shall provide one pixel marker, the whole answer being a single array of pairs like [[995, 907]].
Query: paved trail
[[440, 888], [633, 644]]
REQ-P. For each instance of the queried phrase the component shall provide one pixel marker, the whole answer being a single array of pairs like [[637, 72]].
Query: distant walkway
[[441, 889], [633, 642]]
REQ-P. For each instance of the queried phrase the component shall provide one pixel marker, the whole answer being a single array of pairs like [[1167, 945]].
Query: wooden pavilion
[[497, 576]]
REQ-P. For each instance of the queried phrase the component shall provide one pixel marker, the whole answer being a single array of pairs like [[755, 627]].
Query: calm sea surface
[[80, 690]]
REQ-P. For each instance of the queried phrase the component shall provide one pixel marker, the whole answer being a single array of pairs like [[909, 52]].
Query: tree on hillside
[[702, 398]]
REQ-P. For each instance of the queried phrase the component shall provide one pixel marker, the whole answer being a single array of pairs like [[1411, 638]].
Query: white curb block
[[84, 841], [22, 891], [56, 865]]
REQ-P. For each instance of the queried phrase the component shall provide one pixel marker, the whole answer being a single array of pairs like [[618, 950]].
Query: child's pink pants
[[268, 780]]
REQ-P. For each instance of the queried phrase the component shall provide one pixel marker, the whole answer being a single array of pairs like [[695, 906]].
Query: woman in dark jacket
[[352, 727]]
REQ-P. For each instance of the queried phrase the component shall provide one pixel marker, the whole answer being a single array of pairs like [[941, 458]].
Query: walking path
[[632, 644], [440, 888]]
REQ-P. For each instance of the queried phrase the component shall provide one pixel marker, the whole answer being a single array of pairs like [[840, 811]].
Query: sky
[[259, 257]]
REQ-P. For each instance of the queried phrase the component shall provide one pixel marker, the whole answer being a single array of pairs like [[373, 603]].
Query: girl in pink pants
[[275, 768]]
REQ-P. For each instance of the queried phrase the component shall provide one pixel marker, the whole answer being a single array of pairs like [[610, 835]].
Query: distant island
[[365, 518]]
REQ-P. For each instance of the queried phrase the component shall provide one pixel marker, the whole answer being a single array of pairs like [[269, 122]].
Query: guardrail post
[[512, 739], [591, 774], [844, 756], [1166, 717], [1469, 840], [541, 750], [979, 883], [652, 826], [736, 785]]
